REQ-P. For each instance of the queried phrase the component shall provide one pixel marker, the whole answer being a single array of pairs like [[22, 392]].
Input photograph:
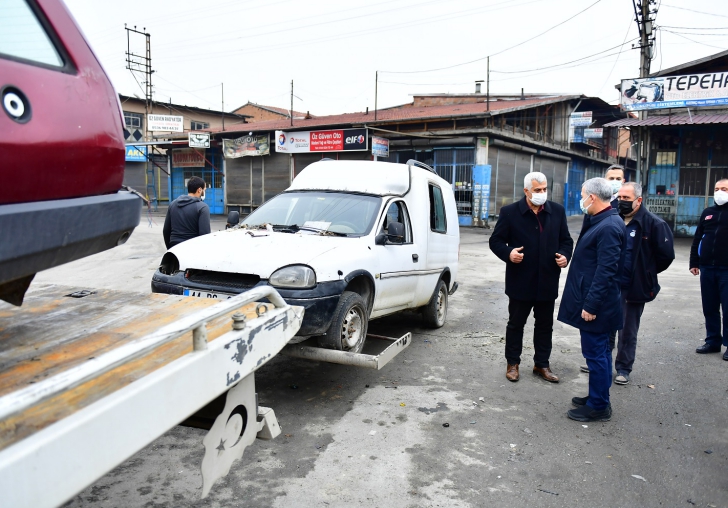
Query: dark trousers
[[627, 345], [714, 292], [595, 348], [518, 312]]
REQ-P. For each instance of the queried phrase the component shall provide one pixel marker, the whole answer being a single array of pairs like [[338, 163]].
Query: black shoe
[[579, 401], [707, 348], [586, 414], [725, 355]]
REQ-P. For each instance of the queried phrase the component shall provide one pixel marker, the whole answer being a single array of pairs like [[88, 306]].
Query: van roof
[[368, 177]]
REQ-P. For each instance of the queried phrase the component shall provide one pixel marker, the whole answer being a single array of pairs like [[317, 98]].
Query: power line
[[620, 54], [693, 40], [693, 10]]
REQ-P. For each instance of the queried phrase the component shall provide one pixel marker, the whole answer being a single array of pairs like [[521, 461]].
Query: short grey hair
[[600, 187], [529, 178], [637, 188]]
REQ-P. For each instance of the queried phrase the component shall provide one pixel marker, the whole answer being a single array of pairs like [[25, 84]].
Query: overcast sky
[[331, 49]]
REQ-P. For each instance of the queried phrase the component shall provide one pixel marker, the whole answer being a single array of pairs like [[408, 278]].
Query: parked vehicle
[[61, 149], [349, 241]]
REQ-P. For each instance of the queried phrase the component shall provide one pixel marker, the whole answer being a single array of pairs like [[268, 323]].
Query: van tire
[[435, 312], [348, 329]]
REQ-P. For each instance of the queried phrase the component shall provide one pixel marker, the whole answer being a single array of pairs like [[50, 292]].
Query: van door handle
[[415, 258]]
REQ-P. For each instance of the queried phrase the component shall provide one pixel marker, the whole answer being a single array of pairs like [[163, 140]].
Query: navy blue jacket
[[593, 283], [536, 278], [652, 253], [710, 244]]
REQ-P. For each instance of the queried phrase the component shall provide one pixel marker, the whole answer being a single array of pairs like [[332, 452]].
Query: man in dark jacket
[[648, 251], [709, 259], [188, 216], [532, 237], [591, 298]]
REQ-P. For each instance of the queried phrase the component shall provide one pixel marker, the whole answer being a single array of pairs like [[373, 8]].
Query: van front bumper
[[318, 302]]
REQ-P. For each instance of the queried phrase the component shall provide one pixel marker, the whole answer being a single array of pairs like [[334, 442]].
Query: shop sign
[[342, 140], [166, 123], [593, 133], [662, 205], [687, 91], [380, 147], [199, 139], [581, 119], [188, 158], [136, 153], [246, 146]]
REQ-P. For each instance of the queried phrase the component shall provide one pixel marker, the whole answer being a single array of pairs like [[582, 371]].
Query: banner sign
[[188, 158], [663, 206], [199, 139], [136, 153], [593, 133], [581, 119], [166, 123], [687, 91], [342, 140], [481, 192], [380, 147], [246, 146]]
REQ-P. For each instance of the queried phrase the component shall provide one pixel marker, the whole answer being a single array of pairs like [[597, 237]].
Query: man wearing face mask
[[591, 297], [532, 238], [709, 259], [648, 250], [187, 216]]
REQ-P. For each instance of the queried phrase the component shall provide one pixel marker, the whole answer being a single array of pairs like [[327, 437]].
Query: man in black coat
[[709, 259], [532, 238], [187, 216], [648, 250], [591, 297]]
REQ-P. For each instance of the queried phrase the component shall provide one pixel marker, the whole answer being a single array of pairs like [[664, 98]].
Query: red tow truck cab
[[61, 147]]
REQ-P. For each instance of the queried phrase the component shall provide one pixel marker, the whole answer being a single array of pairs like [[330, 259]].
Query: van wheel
[[348, 329], [435, 312]]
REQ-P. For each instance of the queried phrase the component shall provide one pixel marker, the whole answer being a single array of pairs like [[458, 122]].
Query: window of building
[[198, 126], [437, 210], [22, 36], [133, 120]]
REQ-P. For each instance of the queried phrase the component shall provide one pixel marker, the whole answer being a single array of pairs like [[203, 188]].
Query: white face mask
[[616, 185], [202, 196], [720, 197], [538, 198]]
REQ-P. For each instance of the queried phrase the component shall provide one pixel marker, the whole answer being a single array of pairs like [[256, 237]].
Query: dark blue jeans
[[714, 291], [595, 348]]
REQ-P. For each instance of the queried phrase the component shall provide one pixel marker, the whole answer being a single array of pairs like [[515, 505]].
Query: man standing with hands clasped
[[591, 300], [532, 238]]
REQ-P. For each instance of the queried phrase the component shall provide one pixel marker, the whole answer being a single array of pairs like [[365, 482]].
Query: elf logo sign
[[336, 140]]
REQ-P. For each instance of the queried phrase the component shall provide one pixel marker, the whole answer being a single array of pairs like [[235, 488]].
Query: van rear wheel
[[348, 329], [435, 312]]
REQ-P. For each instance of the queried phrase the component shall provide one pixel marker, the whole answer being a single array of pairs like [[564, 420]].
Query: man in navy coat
[[532, 238], [591, 300]]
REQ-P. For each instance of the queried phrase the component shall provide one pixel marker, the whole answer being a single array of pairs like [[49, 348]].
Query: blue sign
[[481, 191], [136, 153]]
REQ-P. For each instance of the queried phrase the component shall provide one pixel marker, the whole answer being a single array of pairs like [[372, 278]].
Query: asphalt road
[[365, 438]]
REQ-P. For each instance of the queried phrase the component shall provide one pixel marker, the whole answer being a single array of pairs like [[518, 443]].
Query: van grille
[[222, 279]]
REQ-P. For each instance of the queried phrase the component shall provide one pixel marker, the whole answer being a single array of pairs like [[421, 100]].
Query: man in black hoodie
[[188, 216], [709, 259]]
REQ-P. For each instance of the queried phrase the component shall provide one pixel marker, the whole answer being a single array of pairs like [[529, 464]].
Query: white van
[[349, 241]]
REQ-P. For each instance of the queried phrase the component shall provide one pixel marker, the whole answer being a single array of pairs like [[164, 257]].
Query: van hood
[[236, 250]]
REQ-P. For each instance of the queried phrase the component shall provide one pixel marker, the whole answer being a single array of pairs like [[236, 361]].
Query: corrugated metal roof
[[670, 120]]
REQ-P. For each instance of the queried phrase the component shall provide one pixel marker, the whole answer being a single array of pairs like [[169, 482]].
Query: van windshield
[[337, 212]]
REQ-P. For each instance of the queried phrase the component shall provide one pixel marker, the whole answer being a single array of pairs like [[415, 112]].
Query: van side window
[[437, 210], [397, 212], [22, 36]]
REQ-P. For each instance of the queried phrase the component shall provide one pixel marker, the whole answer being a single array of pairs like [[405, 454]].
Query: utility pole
[[487, 84], [222, 96], [376, 86], [291, 103], [141, 65]]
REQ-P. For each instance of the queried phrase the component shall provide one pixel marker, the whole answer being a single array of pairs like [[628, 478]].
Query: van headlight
[[294, 276]]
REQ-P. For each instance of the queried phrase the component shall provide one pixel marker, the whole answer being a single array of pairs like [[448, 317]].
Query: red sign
[[327, 141]]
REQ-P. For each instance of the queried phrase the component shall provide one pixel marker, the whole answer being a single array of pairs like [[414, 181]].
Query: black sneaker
[[579, 401], [725, 355], [586, 414], [707, 348]]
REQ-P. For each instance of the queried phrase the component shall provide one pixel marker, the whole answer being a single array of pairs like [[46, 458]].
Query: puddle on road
[[441, 406]]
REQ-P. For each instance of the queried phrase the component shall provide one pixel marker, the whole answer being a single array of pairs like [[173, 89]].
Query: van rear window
[[437, 210]]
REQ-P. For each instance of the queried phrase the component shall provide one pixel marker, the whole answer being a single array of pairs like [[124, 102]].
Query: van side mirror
[[233, 219], [380, 239], [395, 232]]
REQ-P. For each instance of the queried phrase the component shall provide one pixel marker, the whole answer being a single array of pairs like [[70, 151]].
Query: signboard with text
[[199, 139], [687, 91], [664, 206], [246, 146], [188, 158], [165, 123], [380, 147], [136, 153], [341, 140], [593, 133]]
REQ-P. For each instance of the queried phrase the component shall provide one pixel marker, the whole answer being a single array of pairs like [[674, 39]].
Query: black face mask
[[624, 207]]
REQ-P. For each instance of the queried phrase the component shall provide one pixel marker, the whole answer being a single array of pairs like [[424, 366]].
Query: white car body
[[390, 277]]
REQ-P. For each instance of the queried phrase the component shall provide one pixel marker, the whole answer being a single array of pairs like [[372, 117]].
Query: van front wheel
[[348, 329], [435, 312]]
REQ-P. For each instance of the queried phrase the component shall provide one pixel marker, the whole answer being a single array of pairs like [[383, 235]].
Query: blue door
[[211, 173], [573, 188]]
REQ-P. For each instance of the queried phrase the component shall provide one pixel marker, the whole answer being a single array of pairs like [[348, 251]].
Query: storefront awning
[[663, 120]]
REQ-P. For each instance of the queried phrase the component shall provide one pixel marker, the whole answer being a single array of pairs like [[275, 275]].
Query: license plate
[[207, 294]]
